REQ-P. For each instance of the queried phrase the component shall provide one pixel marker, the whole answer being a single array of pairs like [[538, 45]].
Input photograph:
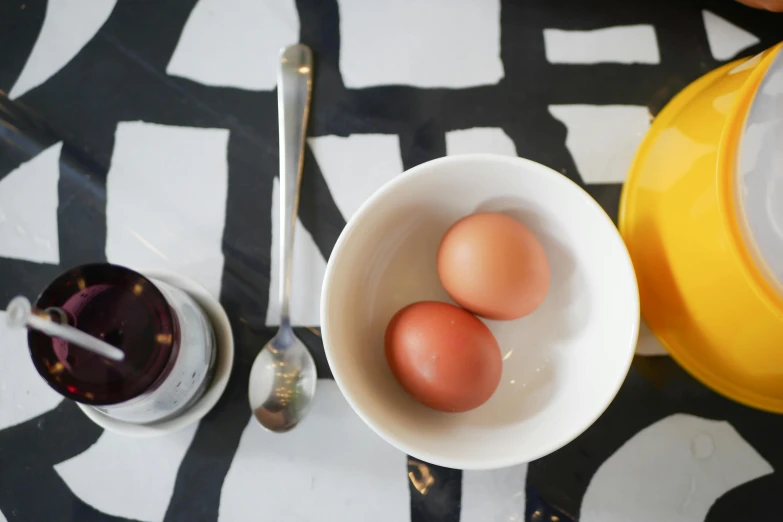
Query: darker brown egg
[[443, 356]]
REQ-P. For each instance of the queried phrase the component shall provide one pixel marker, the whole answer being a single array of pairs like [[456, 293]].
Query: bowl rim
[[514, 457]]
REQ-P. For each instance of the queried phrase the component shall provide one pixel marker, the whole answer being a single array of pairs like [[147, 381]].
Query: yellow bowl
[[701, 293]]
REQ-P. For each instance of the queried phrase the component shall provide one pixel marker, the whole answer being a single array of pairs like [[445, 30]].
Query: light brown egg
[[492, 265], [443, 356]]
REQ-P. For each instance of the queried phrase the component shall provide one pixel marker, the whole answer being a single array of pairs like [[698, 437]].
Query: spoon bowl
[[282, 382]]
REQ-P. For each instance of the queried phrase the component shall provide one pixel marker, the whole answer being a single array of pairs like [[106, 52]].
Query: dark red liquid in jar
[[124, 309]]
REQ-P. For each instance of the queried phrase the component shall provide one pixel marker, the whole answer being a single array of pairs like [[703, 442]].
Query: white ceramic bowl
[[562, 365]]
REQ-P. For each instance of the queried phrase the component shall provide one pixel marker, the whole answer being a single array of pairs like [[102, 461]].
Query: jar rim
[[139, 375]]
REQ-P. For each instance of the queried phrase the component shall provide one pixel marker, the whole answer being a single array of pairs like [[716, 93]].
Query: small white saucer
[[224, 362]]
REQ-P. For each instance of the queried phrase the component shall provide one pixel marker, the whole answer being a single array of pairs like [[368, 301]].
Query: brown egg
[[492, 265], [443, 356]]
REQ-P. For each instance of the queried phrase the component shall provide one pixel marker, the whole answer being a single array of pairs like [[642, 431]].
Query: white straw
[[19, 313]]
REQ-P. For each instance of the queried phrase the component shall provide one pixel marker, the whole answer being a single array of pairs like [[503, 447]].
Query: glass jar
[[168, 342]]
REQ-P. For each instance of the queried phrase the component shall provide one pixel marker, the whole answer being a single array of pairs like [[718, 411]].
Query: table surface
[[145, 133]]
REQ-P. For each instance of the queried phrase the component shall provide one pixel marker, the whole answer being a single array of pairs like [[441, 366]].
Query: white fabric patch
[[23, 393], [308, 269], [673, 470], [490, 140], [356, 166], [28, 209], [344, 470], [603, 139], [648, 344], [621, 44], [726, 40], [235, 43], [494, 495], [395, 43], [67, 27], [166, 200], [128, 477]]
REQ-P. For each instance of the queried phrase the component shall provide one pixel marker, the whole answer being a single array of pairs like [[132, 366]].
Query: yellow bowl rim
[[729, 211]]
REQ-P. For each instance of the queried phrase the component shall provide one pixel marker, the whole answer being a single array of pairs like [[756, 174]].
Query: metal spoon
[[283, 376]]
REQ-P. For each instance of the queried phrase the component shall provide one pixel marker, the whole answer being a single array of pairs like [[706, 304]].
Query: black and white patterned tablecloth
[[144, 132]]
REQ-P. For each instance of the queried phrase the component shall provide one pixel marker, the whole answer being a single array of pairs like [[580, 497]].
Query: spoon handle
[[294, 85]]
